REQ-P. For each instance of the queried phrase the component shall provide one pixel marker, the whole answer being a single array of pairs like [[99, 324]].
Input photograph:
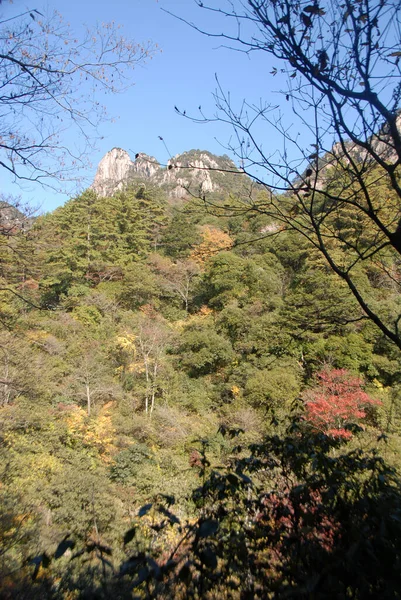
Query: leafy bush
[[128, 462]]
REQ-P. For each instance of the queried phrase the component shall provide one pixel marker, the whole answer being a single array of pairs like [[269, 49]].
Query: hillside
[[171, 345]]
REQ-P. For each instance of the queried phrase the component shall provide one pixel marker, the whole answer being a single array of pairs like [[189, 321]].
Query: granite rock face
[[185, 173], [12, 219], [113, 170], [144, 166], [381, 144], [194, 172]]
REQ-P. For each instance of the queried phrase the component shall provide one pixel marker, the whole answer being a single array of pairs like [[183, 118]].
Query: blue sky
[[182, 74]]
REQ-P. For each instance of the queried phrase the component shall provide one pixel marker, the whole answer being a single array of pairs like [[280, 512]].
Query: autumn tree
[[152, 341], [90, 379], [143, 354], [336, 401], [338, 65], [213, 241]]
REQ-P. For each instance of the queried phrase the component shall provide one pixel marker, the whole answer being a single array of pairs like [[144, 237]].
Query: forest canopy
[[199, 396]]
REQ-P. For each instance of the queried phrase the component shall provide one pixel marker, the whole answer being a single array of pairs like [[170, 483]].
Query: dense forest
[[200, 382], [193, 405]]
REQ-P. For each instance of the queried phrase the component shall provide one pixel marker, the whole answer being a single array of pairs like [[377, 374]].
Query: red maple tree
[[337, 400]]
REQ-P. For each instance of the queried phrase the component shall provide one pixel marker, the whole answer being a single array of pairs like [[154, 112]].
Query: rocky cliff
[[113, 170], [194, 172], [12, 219]]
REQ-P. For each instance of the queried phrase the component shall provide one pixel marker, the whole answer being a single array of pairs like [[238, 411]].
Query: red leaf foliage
[[337, 400]]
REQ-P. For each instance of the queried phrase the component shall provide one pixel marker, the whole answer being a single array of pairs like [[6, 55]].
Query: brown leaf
[[307, 21], [314, 9]]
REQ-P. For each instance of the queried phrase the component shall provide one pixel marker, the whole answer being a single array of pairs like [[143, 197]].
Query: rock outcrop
[[112, 172], [188, 173], [195, 172], [12, 219]]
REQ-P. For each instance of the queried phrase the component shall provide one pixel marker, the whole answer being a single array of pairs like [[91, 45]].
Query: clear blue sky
[[182, 74]]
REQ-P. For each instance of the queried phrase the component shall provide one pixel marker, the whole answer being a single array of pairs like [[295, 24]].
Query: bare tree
[[9, 385], [152, 340], [177, 278], [49, 84], [90, 379], [341, 64]]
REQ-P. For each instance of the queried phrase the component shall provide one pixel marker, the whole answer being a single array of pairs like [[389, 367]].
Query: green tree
[[141, 219], [92, 239], [180, 235], [273, 388], [342, 67], [202, 350]]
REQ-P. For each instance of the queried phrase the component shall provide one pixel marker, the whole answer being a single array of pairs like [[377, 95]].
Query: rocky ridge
[[193, 172], [12, 219]]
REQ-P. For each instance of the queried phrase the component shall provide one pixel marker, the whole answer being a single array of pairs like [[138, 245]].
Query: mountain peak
[[198, 170], [112, 171]]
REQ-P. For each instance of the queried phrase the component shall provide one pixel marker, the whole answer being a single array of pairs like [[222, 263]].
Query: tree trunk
[[88, 398], [152, 406], [147, 386]]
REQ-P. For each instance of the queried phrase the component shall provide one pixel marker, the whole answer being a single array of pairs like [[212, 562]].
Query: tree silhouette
[[50, 83], [340, 61]]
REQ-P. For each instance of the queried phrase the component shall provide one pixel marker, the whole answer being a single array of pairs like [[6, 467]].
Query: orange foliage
[[29, 284], [214, 240]]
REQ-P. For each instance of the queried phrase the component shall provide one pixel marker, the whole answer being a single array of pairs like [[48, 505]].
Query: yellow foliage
[[37, 336], [136, 367], [76, 419], [127, 342], [100, 433], [97, 433], [378, 384], [204, 311], [165, 539], [235, 390], [214, 240], [36, 467]]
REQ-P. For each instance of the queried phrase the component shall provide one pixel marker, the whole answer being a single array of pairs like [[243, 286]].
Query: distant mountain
[[196, 172], [380, 143], [12, 219]]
